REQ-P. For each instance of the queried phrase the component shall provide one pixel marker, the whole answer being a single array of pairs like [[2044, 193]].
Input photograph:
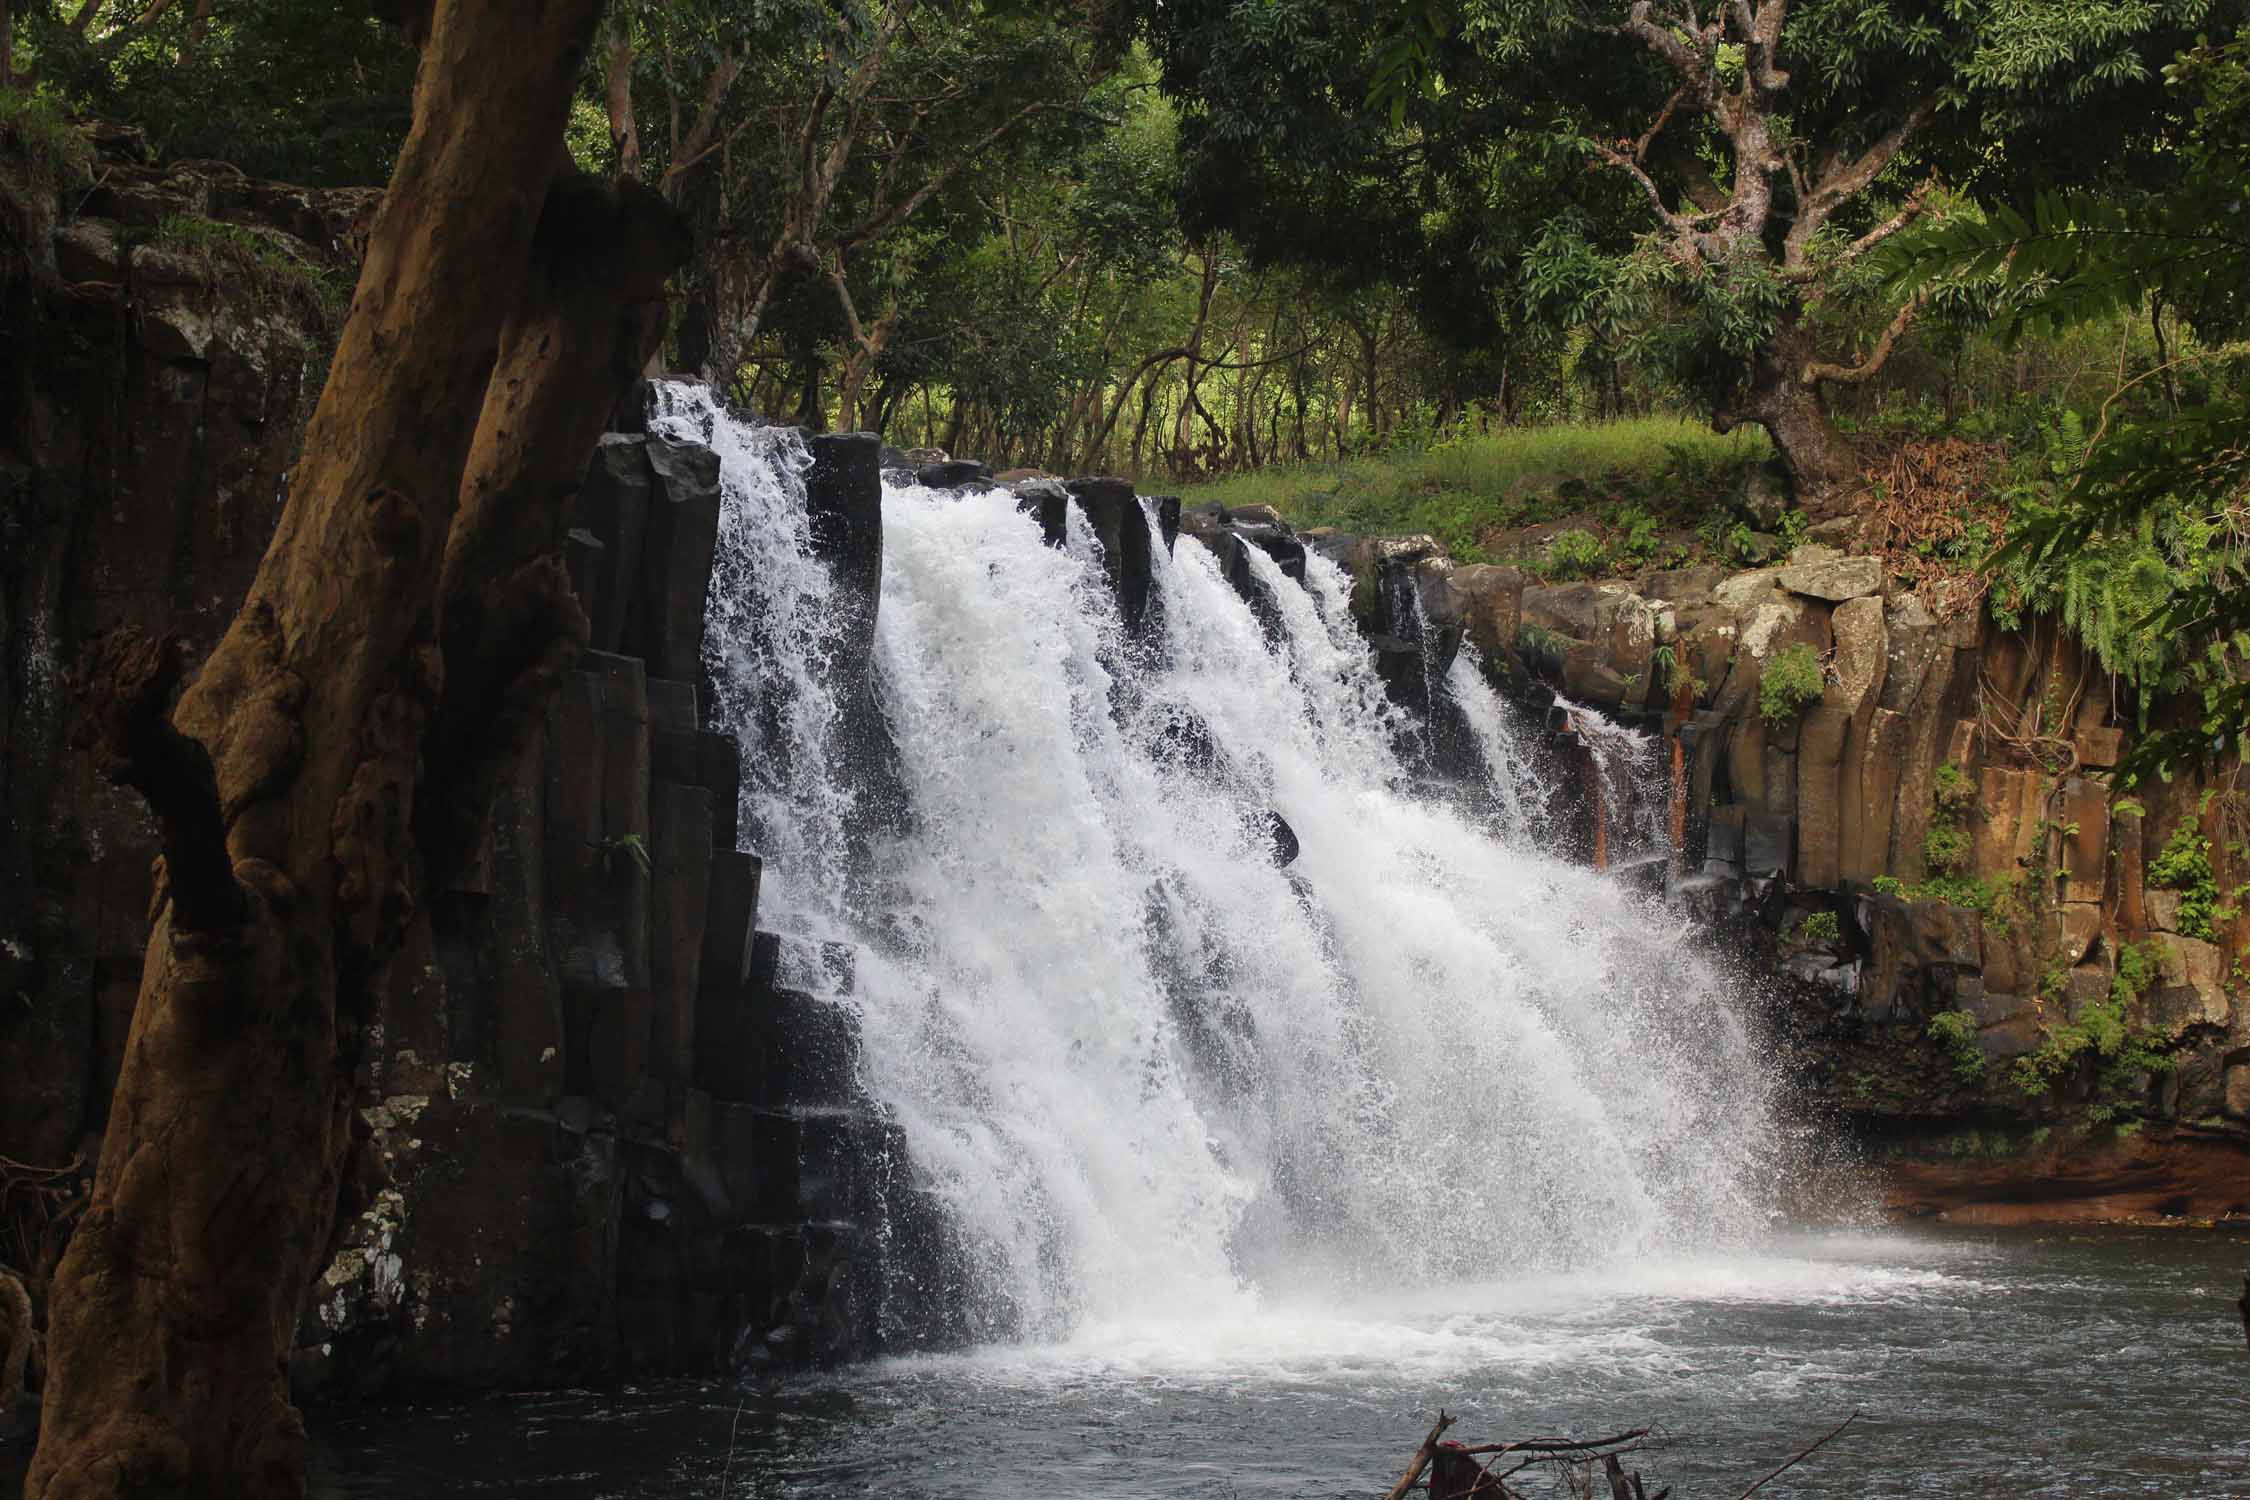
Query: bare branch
[[701, 134], [624, 128], [1663, 118], [884, 218], [1761, 42], [1797, 247], [1633, 169], [1423, 1454], [1840, 182], [1865, 370], [1800, 1456]]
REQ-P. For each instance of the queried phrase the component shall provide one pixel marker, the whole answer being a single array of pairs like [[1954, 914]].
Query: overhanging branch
[[1819, 371]]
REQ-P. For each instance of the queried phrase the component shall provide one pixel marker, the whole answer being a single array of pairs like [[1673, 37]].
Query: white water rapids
[[1142, 1068]]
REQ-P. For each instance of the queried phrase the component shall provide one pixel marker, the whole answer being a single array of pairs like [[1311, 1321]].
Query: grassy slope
[[1468, 490]]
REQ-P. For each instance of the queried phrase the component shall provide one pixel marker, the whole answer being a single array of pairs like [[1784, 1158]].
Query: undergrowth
[[1625, 479], [277, 275], [56, 154], [2121, 1051], [1793, 678]]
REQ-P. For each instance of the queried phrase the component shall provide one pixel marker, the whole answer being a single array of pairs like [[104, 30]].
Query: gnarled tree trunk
[[1784, 400], [409, 607]]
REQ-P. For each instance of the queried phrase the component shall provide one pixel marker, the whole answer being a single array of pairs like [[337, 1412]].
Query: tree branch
[[1840, 183], [700, 142], [624, 128], [1634, 170], [1818, 371], [882, 220]]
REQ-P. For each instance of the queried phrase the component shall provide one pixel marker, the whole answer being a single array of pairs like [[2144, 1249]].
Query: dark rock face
[[598, 1137], [620, 1124], [1122, 527], [150, 405]]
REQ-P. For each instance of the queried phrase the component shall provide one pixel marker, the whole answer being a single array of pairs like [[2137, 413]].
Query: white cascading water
[[1141, 1066]]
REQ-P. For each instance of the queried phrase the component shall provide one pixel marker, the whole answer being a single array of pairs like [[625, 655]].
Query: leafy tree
[[1699, 183], [308, 91], [2145, 551]]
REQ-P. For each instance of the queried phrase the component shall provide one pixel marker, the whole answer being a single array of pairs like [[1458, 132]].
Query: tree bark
[[1823, 471], [287, 778]]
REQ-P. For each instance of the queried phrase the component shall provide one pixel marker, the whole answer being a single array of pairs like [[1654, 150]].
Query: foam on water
[[1171, 1096]]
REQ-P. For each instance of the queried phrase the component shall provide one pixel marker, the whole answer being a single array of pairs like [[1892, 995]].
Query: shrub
[[1820, 927], [1794, 678], [2105, 1029], [56, 152], [1946, 848], [1952, 790], [2184, 865], [1575, 553], [278, 275], [1956, 1032]]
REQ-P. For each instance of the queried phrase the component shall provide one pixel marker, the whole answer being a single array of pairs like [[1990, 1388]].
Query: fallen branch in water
[[1422, 1456], [1801, 1455], [1455, 1473]]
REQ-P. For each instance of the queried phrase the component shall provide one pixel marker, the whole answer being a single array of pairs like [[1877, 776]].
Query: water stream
[[1139, 1063]]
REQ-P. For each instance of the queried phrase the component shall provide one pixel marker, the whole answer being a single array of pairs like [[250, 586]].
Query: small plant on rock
[[2184, 865], [1793, 679], [56, 153], [1956, 1032], [1820, 927], [1576, 553]]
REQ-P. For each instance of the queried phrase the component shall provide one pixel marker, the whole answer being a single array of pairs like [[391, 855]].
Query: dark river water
[[2036, 1363]]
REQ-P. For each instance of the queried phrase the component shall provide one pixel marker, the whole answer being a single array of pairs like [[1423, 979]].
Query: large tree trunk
[[409, 600], [1823, 470]]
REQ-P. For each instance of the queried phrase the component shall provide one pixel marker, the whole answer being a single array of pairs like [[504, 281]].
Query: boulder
[[1119, 524], [1488, 600], [2194, 989], [2099, 748], [676, 550], [2079, 926], [1833, 578]]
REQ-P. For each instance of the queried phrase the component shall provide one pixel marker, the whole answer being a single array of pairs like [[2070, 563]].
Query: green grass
[[1462, 489], [278, 275], [56, 152]]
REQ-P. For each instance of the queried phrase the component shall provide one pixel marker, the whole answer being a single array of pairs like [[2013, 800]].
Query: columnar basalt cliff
[[610, 1125], [2024, 986]]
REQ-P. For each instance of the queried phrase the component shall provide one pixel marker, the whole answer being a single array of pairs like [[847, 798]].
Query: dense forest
[[1920, 254]]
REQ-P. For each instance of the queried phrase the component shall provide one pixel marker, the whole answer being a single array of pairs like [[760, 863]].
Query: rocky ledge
[[2023, 986]]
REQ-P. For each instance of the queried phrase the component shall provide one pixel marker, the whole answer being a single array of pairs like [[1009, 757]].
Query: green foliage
[[275, 273], [2184, 865], [312, 91], [1952, 790], [2122, 1050], [1820, 927], [1889, 885], [1794, 677], [1945, 847], [1956, 1032], [1573, 553], [2140, 547], [55, 152]]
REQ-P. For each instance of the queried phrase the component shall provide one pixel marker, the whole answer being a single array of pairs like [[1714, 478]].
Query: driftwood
[[1455, 1472]]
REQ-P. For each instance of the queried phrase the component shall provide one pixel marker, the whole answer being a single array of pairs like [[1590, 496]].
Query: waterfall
[[1139, 1063]]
